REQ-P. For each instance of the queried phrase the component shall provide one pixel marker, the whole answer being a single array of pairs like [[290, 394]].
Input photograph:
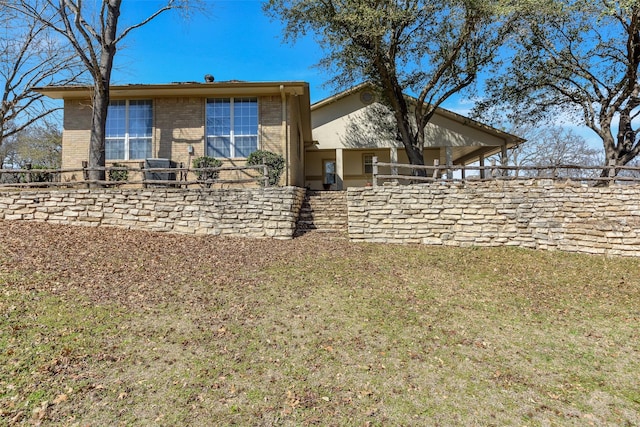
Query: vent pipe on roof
[[208, 78]]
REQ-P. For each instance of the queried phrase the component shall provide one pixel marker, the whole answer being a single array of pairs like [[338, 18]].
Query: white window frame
[[232, 135], [365, 163], [126, 132]]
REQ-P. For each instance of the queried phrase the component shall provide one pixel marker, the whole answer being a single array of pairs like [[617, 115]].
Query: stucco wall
[[258, 213], [531, 214]]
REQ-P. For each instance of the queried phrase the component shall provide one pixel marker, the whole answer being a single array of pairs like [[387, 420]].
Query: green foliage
[[118, 174], [39, 144], [274, 162], [206, 162], [39, 176], [578, 60], [431, 48]]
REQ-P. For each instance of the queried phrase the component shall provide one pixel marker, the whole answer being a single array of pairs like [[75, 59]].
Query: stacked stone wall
[[536, 214], [258, 213]]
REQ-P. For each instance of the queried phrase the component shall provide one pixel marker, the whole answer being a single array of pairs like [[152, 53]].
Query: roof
[[298, 90], [510, 139], [232, 87]]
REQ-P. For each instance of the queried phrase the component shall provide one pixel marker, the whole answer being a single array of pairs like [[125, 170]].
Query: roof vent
[[208, 78]]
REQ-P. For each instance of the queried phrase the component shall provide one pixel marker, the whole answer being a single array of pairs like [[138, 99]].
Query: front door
[[328, 173]]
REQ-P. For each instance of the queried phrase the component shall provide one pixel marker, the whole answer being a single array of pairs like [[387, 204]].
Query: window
[[232, 127], [128, 133], [367, 163]]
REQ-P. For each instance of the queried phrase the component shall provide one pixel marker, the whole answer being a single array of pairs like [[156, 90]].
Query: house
[[183, 121], [330, 144], [352, 127]]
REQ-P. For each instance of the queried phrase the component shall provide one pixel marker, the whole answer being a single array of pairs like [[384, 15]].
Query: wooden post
[[494, 171], [144, 177], [482, 171], [448, 155], [28, 167], [85, 171], [374, 170], [436, 164], [265, 174], [612, 171]]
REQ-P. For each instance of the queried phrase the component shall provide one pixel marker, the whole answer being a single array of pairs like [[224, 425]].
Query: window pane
[[114, 149], [368, 163], [218, 146], [232, 126], [140, 119], [246, 145], [219, 117], [116, 119], [139, 148], [245, 116]]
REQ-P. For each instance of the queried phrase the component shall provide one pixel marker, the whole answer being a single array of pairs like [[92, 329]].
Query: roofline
[[336, 97], [510, 138], [232, 87]]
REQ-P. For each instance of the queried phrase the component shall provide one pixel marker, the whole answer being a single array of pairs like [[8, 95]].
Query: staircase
[[323, 212]]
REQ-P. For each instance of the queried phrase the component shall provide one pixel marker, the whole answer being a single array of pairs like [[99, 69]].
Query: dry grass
[[111, 327]]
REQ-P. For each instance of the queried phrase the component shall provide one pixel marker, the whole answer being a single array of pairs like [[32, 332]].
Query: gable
[[348, 121]]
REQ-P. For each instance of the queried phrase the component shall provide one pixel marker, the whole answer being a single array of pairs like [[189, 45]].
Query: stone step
[[323, 211]]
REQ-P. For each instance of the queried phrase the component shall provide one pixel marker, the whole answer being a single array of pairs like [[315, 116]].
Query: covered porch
[[341, 168]]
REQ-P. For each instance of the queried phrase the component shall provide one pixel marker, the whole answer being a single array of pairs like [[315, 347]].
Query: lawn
[[112, 327]]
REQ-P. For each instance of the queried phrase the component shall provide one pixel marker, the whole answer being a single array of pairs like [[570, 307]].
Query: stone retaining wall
[[269, 212], [537, 214]]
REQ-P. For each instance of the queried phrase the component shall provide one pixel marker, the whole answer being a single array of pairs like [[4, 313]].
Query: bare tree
[[554, 150], [93, 32], [29, 56]]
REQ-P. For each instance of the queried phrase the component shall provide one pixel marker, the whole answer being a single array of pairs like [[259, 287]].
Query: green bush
[[274, 162], [206, 162], [40, 176], [118, 174]]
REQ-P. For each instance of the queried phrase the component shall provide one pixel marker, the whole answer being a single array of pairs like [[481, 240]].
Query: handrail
[[445, 173], [30, 177]]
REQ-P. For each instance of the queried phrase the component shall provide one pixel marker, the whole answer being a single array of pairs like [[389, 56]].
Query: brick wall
[[258, 213], [75, 138], [179, 122], [531, 214]]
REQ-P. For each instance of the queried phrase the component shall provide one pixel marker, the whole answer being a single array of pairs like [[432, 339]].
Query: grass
[[323, 333]]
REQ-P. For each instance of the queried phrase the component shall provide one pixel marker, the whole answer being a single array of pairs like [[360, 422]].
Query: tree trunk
[[98, 130], [97, 158]]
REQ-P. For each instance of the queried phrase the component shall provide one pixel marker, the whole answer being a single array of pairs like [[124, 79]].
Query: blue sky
[[236, 41]]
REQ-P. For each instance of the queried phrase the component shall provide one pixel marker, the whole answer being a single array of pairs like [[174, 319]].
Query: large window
[[129, 127], [232, 127]]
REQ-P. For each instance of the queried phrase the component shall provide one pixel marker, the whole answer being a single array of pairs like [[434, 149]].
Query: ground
[[119, 327]]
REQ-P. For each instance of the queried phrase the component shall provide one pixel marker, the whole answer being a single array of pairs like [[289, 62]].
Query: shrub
[[118, 174], [274, 162], [206, 162], [40, 176]]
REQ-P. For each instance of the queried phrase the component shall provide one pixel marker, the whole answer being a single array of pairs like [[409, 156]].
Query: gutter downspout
[[283, 134]]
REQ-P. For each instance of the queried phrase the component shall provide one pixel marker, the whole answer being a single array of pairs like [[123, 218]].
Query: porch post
[[448, 154], [503, 160], [481, 161], [339, 169], [393, 156]]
